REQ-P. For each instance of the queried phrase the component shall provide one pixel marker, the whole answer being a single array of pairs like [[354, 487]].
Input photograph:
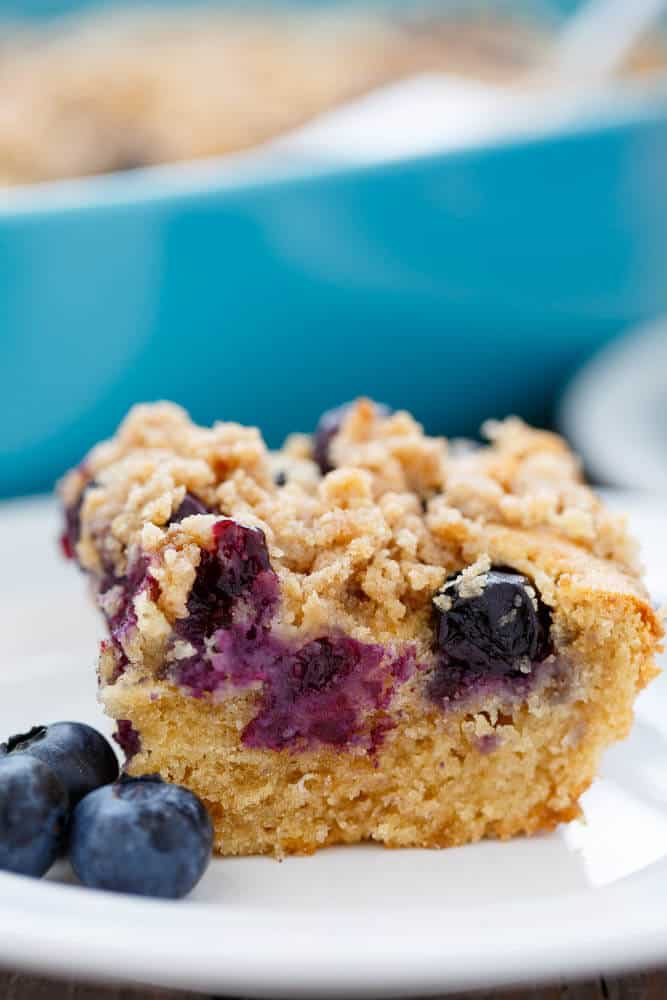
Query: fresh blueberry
[[328, 426], [142, 836], [190, 504], [321, 692], [78, 755], [493, 624], [33, 815]]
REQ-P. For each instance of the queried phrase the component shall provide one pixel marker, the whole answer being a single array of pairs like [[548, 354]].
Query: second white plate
[[615, 411]]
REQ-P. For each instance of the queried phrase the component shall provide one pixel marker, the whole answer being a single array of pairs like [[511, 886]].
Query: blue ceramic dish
[[459, 286]]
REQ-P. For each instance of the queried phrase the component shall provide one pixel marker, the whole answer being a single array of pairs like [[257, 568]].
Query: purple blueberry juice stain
[[72, 532], [190, 505], [312, 693], [116, 597], [68, 536], [127, 738], [115, 593], [318, 692], [323, 691], [487, 743]]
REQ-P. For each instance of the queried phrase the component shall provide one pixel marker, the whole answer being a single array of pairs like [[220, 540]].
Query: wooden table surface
[[641, 986]]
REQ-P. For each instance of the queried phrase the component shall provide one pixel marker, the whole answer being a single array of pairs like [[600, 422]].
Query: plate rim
[[574, 942]]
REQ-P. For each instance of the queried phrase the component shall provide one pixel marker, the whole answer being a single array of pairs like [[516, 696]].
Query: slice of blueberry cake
[[371, 634]]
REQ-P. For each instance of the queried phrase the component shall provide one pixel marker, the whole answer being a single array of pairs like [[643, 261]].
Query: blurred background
[[260, 210]]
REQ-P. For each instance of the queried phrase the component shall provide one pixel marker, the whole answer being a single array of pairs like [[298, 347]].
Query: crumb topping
[[363, 548]]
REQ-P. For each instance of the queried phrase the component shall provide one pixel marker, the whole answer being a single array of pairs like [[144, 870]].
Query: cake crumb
[[471, 581]]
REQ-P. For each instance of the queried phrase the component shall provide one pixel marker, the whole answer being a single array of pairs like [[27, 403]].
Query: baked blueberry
[[78, 755], [492, 623], [33, 815], [319, 664], [237, 569], [190, 504], [328, 426], [141, 836], [127, 738]]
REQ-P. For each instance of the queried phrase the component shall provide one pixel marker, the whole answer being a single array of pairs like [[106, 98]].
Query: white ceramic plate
[[349, 921], [615, 411]]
